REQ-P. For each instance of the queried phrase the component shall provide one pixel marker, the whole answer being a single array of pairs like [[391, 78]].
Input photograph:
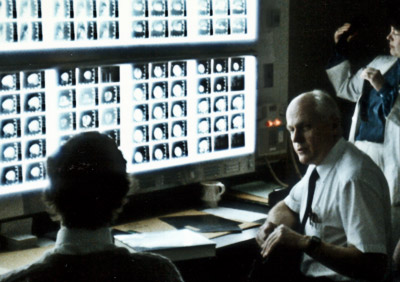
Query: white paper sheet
[[257, 188], [235, 214]]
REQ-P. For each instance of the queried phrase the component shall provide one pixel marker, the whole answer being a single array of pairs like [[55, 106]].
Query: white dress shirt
[[349, 86], [351, 205]]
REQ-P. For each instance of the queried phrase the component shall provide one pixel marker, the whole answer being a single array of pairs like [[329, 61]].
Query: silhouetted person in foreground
[[88, 187]]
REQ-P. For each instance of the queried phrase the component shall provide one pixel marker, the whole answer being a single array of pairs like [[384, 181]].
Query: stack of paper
[[177, 245], [256, 191]]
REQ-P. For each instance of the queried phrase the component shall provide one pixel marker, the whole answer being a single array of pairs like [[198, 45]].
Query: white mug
[[211, 193]]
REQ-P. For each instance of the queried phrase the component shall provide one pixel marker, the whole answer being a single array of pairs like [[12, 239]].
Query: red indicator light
[[277, 122], [269, 123]]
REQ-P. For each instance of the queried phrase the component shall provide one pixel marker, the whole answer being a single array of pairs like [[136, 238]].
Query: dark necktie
[[311, 189]]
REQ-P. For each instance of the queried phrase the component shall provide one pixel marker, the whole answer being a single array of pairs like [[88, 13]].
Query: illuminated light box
[[49, 24], [161, 114]]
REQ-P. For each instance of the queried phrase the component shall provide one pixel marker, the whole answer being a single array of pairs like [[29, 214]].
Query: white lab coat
[[386, 155]]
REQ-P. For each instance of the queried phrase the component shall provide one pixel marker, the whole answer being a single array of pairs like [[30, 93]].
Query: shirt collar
[[331, 158], [83, 241]]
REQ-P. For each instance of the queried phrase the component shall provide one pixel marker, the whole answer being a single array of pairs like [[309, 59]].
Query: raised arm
[[347, 85]]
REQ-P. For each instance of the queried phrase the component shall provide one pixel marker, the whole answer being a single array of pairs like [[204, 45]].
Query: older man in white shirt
[[345, 230]]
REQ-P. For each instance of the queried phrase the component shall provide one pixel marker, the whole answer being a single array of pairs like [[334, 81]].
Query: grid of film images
[[23, 127], [220, 104], [132, 20], [162, 114], [173, 120], [88, 99]]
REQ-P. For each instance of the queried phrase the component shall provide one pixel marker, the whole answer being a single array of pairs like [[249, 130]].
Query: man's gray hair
[[325, 106]]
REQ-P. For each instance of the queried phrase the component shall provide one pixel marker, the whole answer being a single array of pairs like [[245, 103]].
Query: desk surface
[[15, 259]]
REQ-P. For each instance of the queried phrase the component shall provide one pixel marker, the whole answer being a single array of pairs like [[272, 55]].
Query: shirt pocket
[[314, 223]]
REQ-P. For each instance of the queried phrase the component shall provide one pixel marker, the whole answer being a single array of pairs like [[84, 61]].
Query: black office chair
[[278, 195]]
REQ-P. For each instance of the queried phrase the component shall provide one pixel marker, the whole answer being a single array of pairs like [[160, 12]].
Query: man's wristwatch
[[313, 244]]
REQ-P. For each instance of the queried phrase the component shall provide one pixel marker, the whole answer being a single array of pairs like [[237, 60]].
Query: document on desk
[[236, 214], [177, 245], [203, 223], [257, 188]]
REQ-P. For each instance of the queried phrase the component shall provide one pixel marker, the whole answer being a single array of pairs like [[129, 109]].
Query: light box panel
[[161, 114], [49, 24]]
